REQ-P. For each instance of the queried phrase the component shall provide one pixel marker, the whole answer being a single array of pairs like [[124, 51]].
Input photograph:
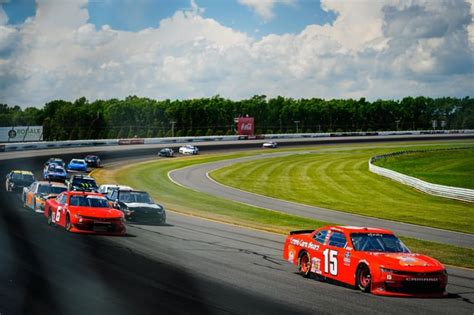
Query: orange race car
[[84, 212], [35, 195], [373, 260]]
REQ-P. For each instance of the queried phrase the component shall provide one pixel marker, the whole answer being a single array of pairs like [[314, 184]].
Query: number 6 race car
[[84, 212], [373, 260]]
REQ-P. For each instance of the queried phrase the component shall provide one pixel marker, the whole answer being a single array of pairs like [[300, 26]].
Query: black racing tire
[[23, 202], [304, 264], [50, 218], [34, 204], [68, 223], [363, 278]]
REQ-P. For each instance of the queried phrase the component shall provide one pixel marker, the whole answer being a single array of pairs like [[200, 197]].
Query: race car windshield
[[56, 168], [87, 183], [373, 242], [23, 177], [77, 162], [133, 196], [88, 201], [47, 189]]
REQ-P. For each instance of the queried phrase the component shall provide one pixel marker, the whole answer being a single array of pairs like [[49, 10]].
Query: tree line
[[144, 117]]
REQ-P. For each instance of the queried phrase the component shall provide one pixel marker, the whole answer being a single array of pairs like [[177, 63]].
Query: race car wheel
[[34, 204], [304, 264], [68, 223], [50, 218], [363, 278]]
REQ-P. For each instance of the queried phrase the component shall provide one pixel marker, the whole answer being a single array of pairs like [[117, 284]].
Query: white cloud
[[264, 8], [375, 50]]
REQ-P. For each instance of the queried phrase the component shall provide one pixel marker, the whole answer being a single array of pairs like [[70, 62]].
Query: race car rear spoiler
[[301, 232]]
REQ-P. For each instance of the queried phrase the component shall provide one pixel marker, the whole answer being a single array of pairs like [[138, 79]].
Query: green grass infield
[[340, 180], [446, 167]]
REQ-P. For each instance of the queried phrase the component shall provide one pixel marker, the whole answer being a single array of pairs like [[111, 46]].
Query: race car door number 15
[[330, 261]]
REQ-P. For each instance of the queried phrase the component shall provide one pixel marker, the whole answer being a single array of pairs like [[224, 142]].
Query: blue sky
[[180, 49], [135, 15]]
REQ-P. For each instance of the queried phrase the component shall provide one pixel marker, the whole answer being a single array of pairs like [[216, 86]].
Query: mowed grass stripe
[[340, 180]]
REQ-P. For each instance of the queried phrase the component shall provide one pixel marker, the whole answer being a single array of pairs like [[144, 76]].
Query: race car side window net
[[321, 236]]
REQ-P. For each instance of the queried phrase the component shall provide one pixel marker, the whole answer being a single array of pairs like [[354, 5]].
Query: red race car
[[373, 260], [84, 212]]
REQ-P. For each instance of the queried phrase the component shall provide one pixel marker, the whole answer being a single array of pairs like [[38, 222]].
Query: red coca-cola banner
[[245, 126]]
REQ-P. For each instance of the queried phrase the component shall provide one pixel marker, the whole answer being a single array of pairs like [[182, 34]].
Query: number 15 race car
[[84, 212], [373, 260]]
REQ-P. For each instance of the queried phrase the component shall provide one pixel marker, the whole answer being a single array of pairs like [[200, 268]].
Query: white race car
[[270, 144], [104, 189], [188, 150]]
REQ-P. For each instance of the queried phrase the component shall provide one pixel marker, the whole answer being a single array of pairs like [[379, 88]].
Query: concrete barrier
[[22, 146]]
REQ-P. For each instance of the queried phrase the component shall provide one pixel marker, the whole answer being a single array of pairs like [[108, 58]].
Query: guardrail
[[176, 140], [463, 194]]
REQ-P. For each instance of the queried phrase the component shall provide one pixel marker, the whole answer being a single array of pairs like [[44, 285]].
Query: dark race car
[[54, 172], [16, 180], [81, 182], [137, 206], [92, 160], [166, 152]]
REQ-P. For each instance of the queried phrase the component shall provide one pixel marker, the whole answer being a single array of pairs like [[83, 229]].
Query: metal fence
[[457, 193]]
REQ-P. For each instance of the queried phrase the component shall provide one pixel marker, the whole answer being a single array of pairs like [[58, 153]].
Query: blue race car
[[54, 172], [77, 165]]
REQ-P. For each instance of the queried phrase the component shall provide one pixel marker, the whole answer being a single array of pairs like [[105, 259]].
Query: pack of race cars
[[370, 259], [75, 202]]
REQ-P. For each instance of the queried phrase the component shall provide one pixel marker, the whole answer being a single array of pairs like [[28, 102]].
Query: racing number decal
[[330, 261], [58, 214]]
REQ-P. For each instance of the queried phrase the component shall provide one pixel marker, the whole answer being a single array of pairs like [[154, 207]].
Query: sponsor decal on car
[[315, 265]]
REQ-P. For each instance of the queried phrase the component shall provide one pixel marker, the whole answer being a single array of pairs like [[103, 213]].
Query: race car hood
[[60, 173], [139, 205], [407, 262], [19, 182], [104, 213], [47, 196]]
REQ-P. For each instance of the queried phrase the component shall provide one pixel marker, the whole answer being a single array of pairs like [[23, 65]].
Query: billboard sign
[[245, 126], [21, 133]]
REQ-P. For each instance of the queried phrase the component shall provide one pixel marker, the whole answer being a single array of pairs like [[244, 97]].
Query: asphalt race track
[[189, 266], [196, 178]]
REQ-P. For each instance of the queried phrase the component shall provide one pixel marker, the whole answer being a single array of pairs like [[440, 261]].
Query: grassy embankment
[[451, 168], [152, 176]]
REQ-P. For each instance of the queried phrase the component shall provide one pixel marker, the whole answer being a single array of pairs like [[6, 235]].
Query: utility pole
[[172, 128], [296, 123]]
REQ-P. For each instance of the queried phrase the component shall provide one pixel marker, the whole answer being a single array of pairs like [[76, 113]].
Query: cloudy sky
[[179, 49]]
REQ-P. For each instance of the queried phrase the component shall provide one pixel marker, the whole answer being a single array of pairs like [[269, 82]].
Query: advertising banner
[[245, 126], [21, 133]]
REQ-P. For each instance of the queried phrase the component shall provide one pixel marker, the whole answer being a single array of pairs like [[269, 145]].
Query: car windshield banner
[[21, 133]]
